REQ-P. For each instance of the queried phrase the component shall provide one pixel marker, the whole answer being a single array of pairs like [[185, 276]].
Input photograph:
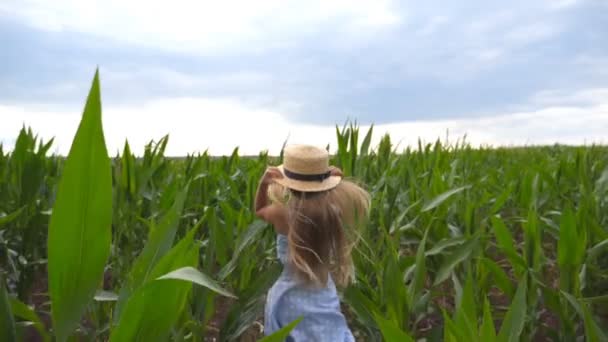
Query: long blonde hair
[[323, 230]]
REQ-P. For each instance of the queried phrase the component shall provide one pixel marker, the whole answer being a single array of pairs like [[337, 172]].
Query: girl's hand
[[270, 175], [335, 171]]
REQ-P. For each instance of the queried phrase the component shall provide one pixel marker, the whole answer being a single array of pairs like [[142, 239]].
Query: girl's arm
[[273, 213]]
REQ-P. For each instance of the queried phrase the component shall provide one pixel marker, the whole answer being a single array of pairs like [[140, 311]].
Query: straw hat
[[306, 168]]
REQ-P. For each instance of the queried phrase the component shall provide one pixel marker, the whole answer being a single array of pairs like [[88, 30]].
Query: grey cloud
[[445, 60]]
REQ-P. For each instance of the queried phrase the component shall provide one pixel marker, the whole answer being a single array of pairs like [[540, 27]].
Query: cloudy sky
[[216, 75]]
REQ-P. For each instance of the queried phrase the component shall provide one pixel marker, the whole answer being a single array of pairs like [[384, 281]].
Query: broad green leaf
[[282, 334], [364, 307], [566, 245], [152, 310], [503, 236], [452, 260], [249, 307], [574, 302], [501, 279], [466, 314], [183, 254], [396, 224], [452, 332], [435, 202], [487, 331], [7, 321], [26, 313], [251, 235], [445, 244], [390, 331], [532, 241], [506, 243], [593, 332], [500, 201], [80, 226], [128, 171], [597, 250], [420, 270], [596, 299], [195, 276], [366, 141], [513, 323], [159, 242]]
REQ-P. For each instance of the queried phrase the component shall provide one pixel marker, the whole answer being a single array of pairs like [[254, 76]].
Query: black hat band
[[306, 178]]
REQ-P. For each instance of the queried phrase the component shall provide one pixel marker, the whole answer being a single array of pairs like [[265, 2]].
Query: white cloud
[[585, 97], [596, 66], [531, 33], [220, 125], [181, 80], [563, 4], [433, 25], [202, 26], [489, 55]]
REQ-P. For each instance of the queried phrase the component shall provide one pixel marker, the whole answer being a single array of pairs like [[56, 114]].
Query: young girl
[[314, 212]]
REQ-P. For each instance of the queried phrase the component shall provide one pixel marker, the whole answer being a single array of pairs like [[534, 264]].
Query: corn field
[[462, 244]]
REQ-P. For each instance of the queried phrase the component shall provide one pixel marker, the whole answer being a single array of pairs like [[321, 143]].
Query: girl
[[314, 212]]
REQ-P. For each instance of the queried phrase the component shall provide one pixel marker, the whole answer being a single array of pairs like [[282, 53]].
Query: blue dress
[[320, 308]]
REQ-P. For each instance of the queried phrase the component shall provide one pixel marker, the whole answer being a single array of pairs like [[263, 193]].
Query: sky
[[217, 75]]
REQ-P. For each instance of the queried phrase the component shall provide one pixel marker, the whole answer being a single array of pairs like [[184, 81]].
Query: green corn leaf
[[159, 242], [128, 171], [282, 334], [390, 331], [501, 279], [44, 148], [574, 302], [566, 246], [466, 314], [452, 332], [458, 256], [152, 310], [487, 331], [367, 141], [21, 310], [420, 271], [6, 219], [250, 305], [183, 254], [503, 236], [171, 291], [364, 308], [195, 276], [532, 241], [593, 332], [250, 237], [435, 202], [80, 227], [597, 250], [506, 243], [7, 320], [500, 201], [596, 299], [444, 244], [513, 323]]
